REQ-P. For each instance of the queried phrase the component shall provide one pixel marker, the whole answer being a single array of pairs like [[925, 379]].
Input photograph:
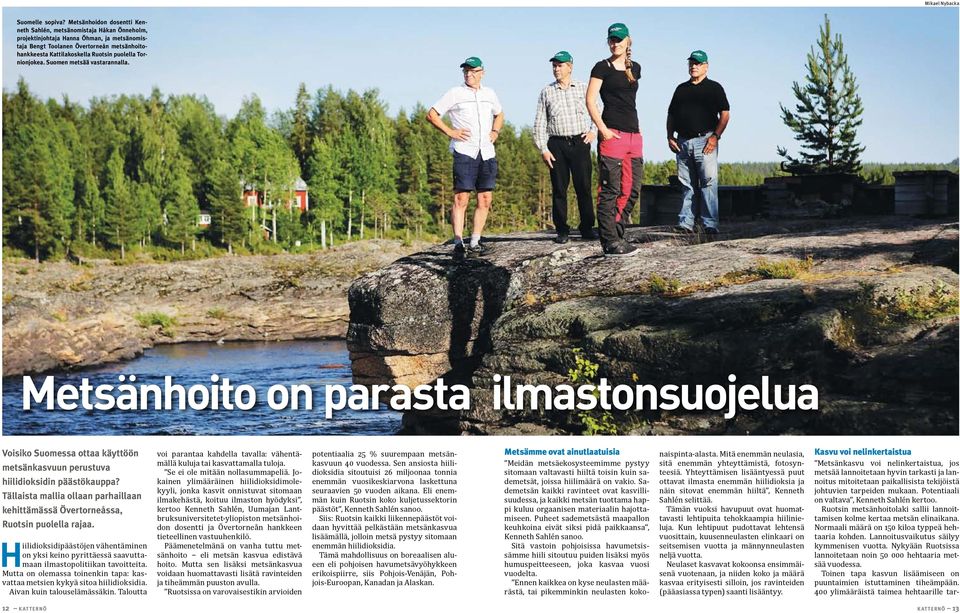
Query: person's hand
[[548, 158], [461, 134], [588, 137], [494, 134], [673, 144], [608, 134], [711, 145]]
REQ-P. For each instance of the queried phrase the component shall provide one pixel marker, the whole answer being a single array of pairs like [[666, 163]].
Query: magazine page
[[543, 307]]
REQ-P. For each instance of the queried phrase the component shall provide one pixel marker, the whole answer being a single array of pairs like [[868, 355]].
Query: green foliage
[[917, 304], [156, 318], [120, 214], [217, 313], [871, 313], [229, 223], [132, 173], [181, 212], [828, 111], [789, 268], [584, 371], [663, 287], [38, 199], [597, 421]]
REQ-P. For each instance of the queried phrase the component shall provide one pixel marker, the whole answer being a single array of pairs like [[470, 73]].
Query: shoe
[[619, 249], [588, 235], [561, 239], [459, 250], [711, 231], [479, 251], [679, 229]]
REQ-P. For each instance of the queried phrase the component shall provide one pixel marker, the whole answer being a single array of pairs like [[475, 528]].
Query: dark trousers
[[572, 157]]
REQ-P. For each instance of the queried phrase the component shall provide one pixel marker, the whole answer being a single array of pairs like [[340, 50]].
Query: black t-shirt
[[619, 96], [696, 108]]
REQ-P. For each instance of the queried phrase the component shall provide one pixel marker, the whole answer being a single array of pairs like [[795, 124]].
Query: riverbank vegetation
[[165, 177]]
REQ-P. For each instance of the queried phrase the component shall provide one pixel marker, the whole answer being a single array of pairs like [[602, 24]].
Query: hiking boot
[[459, 250], [679, 229], [561, 239], [620, 249], [588, 235], [479, 251], [709, 231]]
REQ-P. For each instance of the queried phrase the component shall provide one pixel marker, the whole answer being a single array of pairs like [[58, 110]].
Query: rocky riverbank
[[865, 310], [60, 315]]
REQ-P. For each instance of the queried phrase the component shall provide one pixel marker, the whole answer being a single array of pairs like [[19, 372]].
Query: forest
[[126, 175]]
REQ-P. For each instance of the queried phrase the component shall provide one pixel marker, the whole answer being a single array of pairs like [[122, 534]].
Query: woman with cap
[[621, 144]]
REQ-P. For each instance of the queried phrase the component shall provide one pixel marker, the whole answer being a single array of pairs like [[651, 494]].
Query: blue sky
[[905, 60]]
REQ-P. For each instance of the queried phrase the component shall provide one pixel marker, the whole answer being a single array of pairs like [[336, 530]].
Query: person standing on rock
[[697, 116], [621, 143], [562, 133], [476, 119]]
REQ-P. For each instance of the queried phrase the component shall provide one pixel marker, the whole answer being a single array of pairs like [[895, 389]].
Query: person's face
[[472, 76], [617, 46], [562, 70], [697, 71]]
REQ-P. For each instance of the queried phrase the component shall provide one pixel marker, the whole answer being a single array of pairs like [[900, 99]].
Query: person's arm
[[671, 139], [540, 135], [593, 90], [715, 137], [436, 121], [540, 123], [497, 126]]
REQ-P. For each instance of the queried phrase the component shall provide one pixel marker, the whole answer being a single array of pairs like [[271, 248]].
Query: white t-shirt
[[473, 109]]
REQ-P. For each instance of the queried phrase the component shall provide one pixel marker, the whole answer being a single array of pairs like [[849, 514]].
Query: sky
[[905, 61]]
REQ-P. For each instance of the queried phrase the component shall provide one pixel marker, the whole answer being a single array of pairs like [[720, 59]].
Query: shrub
[[156, 318], [217, 313], [597, 421]]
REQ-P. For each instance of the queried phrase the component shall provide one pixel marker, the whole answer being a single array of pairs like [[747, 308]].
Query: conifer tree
[[828, 111], [181, 211], [120, 218], [229, 222]]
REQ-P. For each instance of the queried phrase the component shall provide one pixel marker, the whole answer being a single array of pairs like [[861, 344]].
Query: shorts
[[473, 174]]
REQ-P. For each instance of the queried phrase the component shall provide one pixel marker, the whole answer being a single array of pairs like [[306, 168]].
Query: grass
[[660, 286], [156, 318], [918, 304], [871, 313], [217, 313], [790, 268]]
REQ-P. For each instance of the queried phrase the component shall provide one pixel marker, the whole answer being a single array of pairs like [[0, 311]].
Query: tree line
[[134, 172]]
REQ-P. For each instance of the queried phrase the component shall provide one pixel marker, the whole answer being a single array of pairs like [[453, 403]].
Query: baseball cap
[[472, 62], [618, 31], [561, 56], [698, 56]]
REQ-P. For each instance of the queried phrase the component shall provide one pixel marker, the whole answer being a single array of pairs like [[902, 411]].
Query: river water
[[261, 365]]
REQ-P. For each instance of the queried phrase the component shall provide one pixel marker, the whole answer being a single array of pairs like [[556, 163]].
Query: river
[[261, 365]]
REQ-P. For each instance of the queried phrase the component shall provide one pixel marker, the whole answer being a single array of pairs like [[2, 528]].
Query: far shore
[[58, 315]]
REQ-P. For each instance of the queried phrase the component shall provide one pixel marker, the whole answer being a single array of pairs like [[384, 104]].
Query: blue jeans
[[698, 176]]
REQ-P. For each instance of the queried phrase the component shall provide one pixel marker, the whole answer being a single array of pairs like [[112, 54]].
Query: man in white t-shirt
[[476, 118]]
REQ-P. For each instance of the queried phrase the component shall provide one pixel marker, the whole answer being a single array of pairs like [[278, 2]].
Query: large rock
[[867, 313]]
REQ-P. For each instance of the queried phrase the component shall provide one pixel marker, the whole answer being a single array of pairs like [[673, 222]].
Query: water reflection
[[313, 363]]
